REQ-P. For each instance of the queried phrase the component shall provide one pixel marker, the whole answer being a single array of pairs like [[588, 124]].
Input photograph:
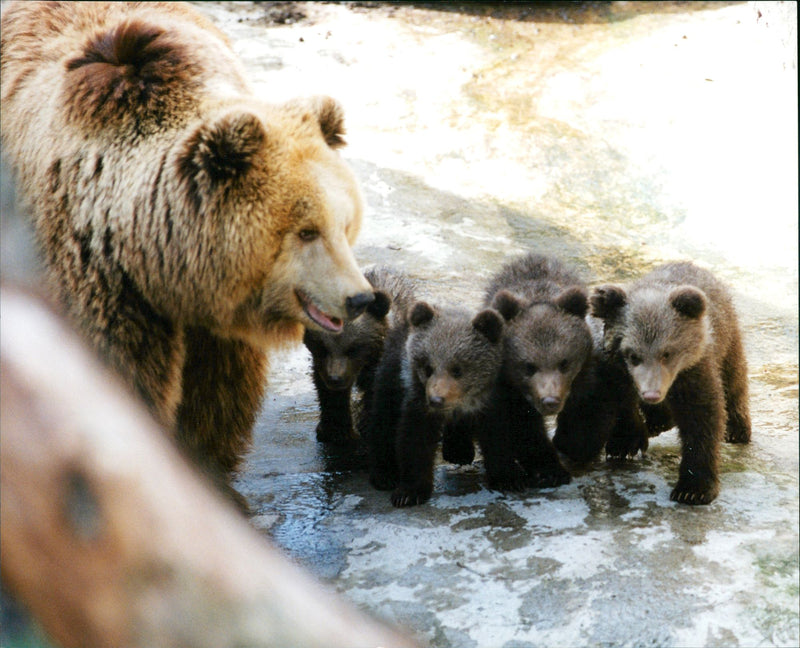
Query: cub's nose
[[357, 303], [336, 382], [436, 402], [551, 404]]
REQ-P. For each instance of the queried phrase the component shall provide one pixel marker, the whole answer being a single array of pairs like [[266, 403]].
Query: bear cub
[[350, 358], [677, 333], [547, 348], [438, 370]]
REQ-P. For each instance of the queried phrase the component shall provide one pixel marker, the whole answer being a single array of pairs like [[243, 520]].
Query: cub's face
[[453, 361], [659, 332], [283, 210], [545, 350], [339, 358]]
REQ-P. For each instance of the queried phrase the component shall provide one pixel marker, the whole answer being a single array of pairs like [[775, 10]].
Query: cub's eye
[[665, 356], [634, 359], [456, 371], [563, 366], [530, 368], [426, 370], [308, 234]]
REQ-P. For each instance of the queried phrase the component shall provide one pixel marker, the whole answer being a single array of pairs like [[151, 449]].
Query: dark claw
[[402, 497], [683, 495]]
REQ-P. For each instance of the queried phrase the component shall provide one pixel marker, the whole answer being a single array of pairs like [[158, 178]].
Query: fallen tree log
[[111, 539]]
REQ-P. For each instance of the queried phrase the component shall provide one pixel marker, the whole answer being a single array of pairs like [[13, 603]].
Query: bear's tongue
[[333, 324]]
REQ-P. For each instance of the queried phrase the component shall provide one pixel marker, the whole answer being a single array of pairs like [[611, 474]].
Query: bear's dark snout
[[337, 382], [357, 303], [436, 402], [551, 404]]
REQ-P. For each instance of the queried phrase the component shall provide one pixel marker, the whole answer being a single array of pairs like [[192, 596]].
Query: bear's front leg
[[417, 438], [503, 471], [335, 416], [532, 447], [457, 445], [379, 425], [737, 400], [697, 404], [629, 435], [539, 458], [592, 409], [223, 384]]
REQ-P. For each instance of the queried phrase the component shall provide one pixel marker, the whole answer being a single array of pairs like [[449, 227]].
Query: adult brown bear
[[186, 226]]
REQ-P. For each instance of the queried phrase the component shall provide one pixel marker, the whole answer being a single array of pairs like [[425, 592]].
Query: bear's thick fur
[[438, 371], [350, 358], [548, 348], [187, 227], [677, 333]]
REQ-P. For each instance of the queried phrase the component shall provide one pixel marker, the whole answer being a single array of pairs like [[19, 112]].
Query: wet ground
[[616, 135]]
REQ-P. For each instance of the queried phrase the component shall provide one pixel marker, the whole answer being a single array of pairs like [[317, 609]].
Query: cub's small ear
[[607, 300], [489, 324], [507, 305], [573, 301], [379, 307], [688, 301], [222, 149], [421, 314]]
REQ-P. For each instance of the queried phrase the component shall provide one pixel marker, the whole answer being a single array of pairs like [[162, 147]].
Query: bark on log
[[110, 539]]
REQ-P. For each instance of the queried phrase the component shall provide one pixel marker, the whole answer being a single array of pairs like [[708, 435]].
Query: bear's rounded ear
[[330, 115], [688, 301], [573, 301], [421, 314], [223, 148], [489, 324], [607, 300], [379, 307], [507, 305]]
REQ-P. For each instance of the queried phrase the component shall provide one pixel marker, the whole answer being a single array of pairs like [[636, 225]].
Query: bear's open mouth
[[327, 322]]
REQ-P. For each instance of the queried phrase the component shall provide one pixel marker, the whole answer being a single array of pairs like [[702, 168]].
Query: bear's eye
[[530, 368], [665, 356], [426, 370], [563, 366], [634, 359], [455, 371], [308, 234]]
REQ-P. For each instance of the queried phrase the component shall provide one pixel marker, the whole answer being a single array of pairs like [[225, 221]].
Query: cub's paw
[[694, 491], [623, 447], [336, 434], [737, 435], [548, 476], [577, 450], [659, 418], [510, 478], [410, 495]]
